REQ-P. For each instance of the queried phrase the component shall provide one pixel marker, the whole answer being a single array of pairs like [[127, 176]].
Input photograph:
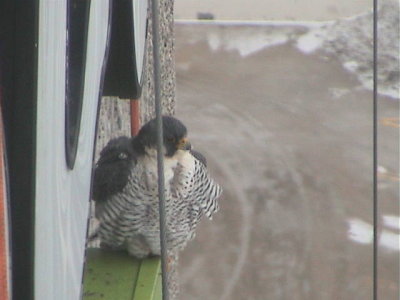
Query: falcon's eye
[[171, 139]]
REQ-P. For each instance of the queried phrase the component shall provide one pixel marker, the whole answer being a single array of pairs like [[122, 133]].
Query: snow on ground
[[351, 40], [392, 222], [361, 232], [245, 44]]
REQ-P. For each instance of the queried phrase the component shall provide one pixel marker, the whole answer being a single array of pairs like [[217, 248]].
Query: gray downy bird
[[125, 190]]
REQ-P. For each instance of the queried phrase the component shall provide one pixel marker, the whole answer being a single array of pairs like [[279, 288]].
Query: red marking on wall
[[135, 117], [4, 249]]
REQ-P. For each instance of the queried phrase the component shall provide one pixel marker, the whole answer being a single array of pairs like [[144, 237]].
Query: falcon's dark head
[[174, 136]]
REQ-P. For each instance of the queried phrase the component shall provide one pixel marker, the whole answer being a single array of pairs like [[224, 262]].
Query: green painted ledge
[[114, 275]]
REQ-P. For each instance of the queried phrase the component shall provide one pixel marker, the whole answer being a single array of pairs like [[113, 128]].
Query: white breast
[[149, 167]]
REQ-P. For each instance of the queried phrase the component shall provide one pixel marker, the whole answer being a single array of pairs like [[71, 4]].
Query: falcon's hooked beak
[[184, 144]]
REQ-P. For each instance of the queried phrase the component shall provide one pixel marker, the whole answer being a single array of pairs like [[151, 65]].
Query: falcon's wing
[[205, 190], [113, 168], [200, 157], [193, 184]]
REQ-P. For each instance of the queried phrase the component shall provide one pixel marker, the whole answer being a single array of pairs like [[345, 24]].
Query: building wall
[[114, 117]]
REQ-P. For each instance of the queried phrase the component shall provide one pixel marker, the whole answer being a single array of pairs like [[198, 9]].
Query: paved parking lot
[[289, 136]]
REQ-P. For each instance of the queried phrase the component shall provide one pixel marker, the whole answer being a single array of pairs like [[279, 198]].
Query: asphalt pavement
[[289, 137]]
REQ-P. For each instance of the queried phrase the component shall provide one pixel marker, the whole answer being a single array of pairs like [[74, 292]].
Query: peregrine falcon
[[125, 190]]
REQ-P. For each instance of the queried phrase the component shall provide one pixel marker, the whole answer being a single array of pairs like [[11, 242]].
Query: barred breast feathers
[[190, 194], [193, 183]]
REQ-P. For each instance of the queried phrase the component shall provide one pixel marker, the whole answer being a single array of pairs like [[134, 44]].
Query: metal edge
[[148, 278]]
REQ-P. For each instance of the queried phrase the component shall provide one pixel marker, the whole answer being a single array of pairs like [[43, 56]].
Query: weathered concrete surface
[[289, 136], [167, 60], [114, 121], [114, 116], [114, 113]]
